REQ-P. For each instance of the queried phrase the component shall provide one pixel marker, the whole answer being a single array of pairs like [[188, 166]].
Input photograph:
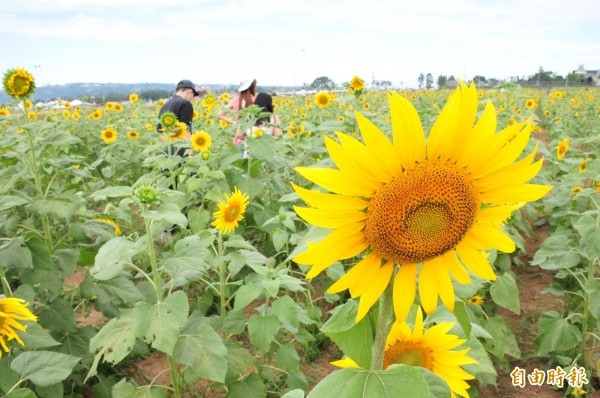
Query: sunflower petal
[[428, 289], [349, 163], [443, 282], [475, 260], [409, 138], [404, 290], [487, 236], [368, 298], [334, 181], [357, 274], [496, 215], [365, 158], [515, 193], [328, 201], [376, 140], [329, 218]]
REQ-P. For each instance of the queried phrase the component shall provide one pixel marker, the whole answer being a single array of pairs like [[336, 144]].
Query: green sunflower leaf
[[398, 381]]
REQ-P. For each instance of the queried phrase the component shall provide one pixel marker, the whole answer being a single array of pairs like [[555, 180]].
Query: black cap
[[188, 84]]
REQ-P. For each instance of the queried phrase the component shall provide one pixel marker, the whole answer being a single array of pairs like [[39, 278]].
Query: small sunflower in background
[[108, 135], [531, 104], [322, 99], [477, 299], [133, 98], [562, 148], [201, 141], [12, 310], [230, 212], [357, 84], [18, 83], [583, 166], [134, 135], [168, 119], [118, 107]]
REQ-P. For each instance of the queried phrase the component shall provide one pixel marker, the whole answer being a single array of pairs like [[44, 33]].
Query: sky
[[292, 42]]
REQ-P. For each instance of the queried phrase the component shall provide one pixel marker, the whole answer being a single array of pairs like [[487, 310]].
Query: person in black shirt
[[181, 106]]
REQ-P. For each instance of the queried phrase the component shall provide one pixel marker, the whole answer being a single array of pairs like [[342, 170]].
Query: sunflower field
[[388, 244]]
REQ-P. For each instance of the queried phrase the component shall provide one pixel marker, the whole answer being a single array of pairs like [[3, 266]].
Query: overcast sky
[[291, 42]]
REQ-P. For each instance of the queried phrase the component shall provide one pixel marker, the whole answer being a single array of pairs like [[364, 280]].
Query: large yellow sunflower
[[108, 135], [201, 141], [18, 83], [322, 99], [416, 207], [12, 310], [429, 349], [231, 212]]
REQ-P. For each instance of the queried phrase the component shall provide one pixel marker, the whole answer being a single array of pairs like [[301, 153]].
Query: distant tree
[[421, 80], [386, 84], [154, 94], [429, 81], [441, 81], [322, 83], [480, 80], [573, 78]]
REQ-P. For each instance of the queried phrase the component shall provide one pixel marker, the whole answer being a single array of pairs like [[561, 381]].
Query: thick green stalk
[[174, 377], [153, 264], [222, 278], [384, 323]]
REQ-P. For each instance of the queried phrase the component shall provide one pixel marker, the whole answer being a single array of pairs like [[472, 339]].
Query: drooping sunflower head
[[18, 83], [168, 119], [108, 135], [230, 212], [13, 310], [201, 141], [322, 99], [424, 207], [562, 148]]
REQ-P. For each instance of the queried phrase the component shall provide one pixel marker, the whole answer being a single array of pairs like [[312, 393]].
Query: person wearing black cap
[[182, 107]]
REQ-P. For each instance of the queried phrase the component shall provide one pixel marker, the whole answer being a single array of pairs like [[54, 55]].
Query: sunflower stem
[[153, 264], [174, 377], [384, 323], [5, 285], [222, 278]]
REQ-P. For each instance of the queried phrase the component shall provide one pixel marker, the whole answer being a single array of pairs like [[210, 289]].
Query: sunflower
[[108, 135], [357, 84], [257, 133], [201, 141], [530, 104], [12, 310], [208, 101], [583, 166], [558, 94], [96, 115], [195, 115], [32, 116], [322, 99], [111, 222], [429, 349], [29, 104], [110, 106], [422, 206], [231, 212], [562, 148], [67, 104], [168, 119], [133, 97], [366, 106], [476, 300], [4, 112], [179, 131], [205, 155], [18, 83], [134, 135], [75, 115], [149, 127], [118, 107]]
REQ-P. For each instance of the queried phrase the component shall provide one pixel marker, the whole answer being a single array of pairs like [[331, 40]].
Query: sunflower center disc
[[408, 353], [422, 213], [232, 213]]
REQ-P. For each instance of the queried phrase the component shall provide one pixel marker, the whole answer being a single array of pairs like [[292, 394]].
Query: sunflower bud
[[146, 194]]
